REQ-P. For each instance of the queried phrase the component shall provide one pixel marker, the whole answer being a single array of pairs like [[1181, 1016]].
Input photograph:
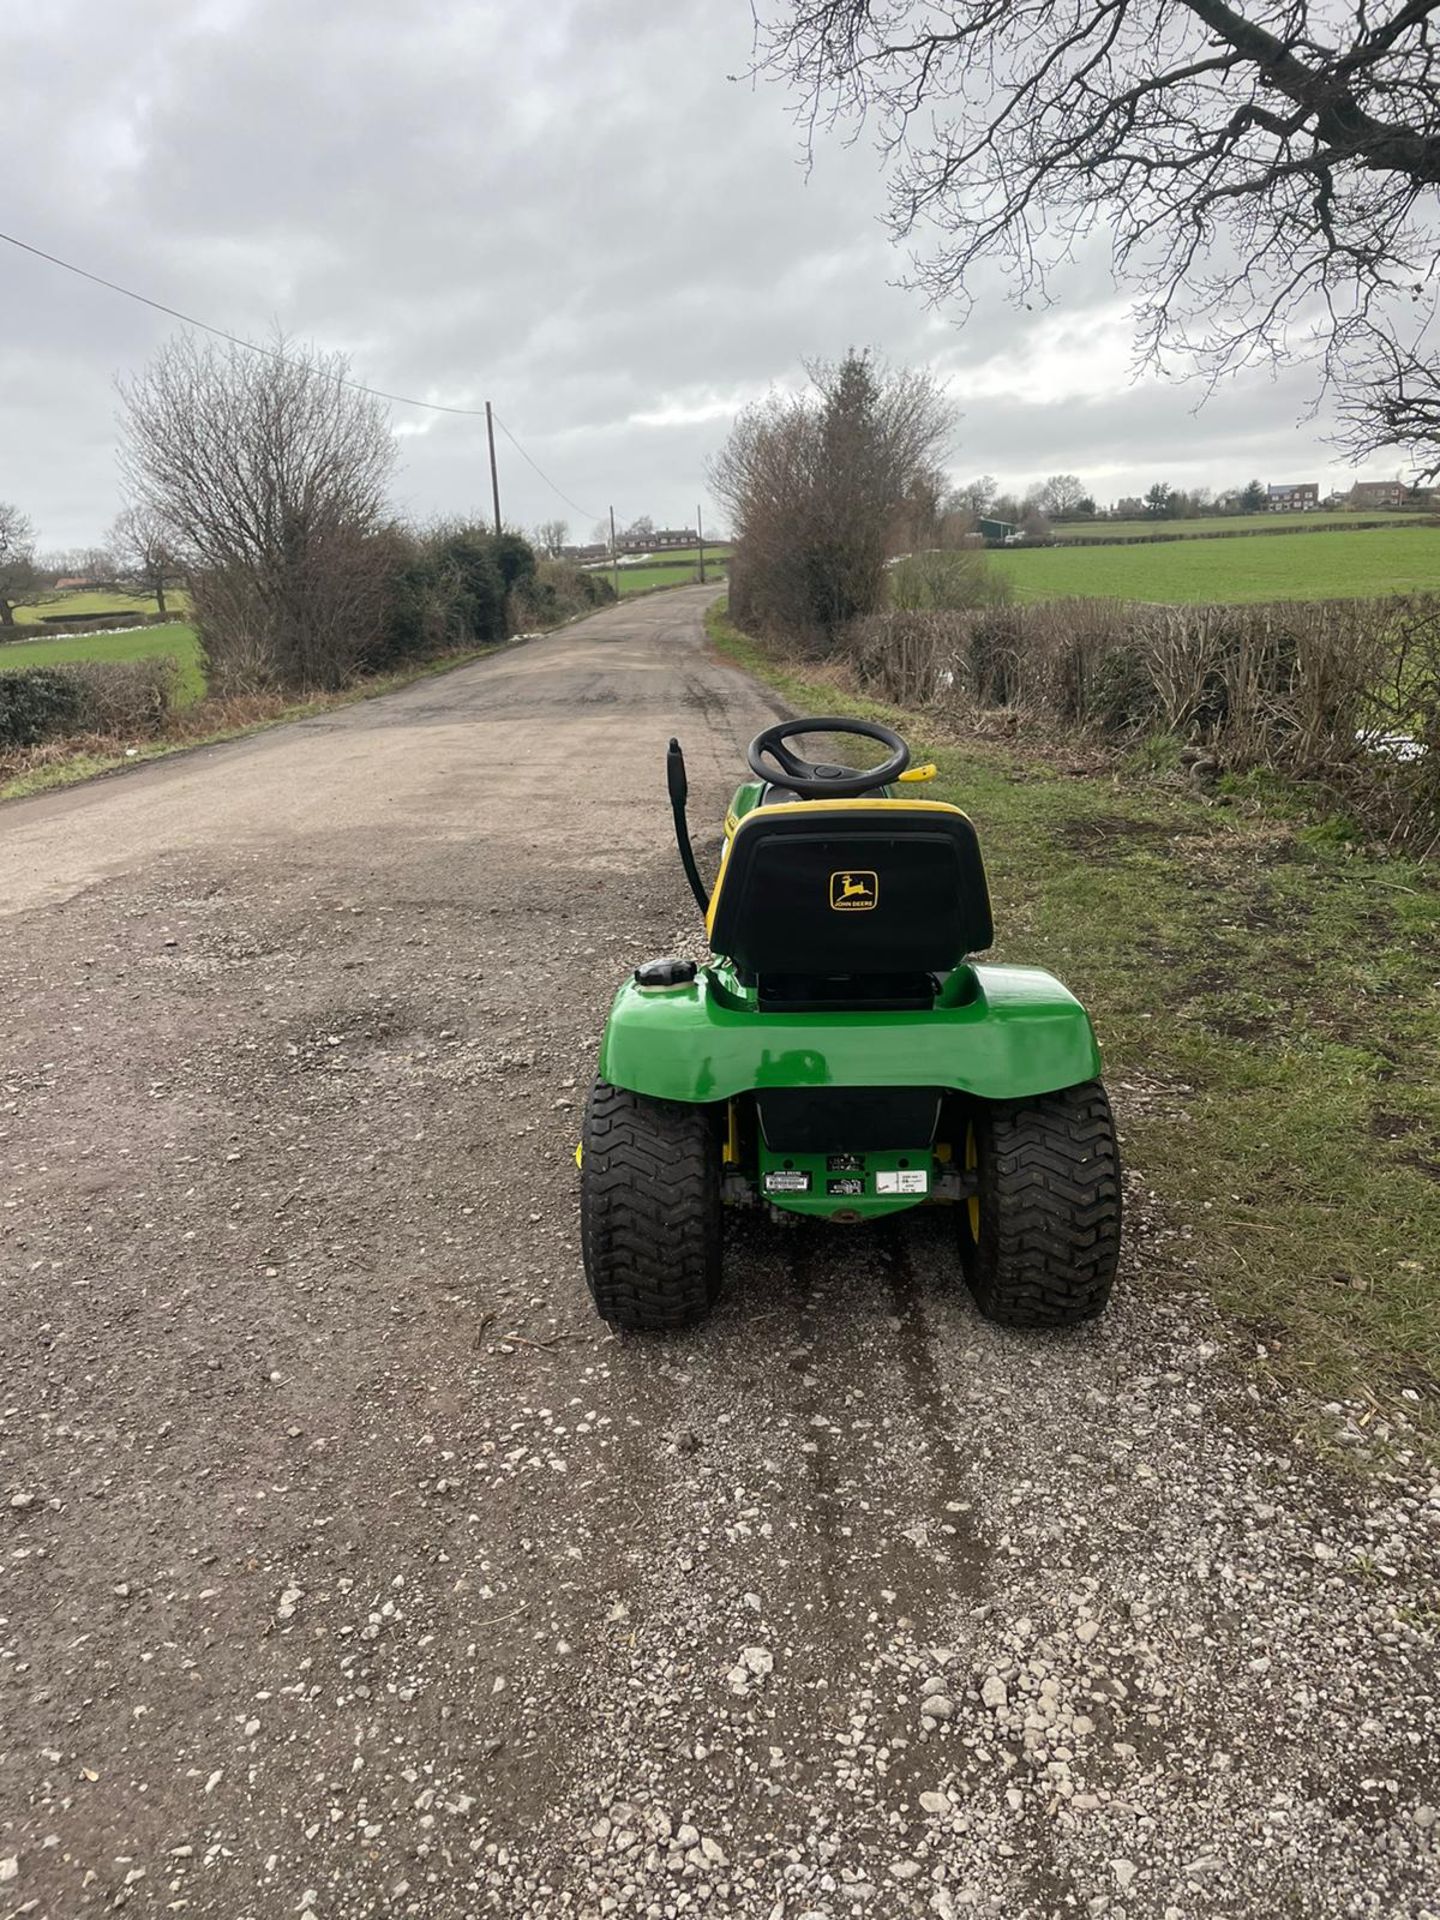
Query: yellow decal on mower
[[854, 892]]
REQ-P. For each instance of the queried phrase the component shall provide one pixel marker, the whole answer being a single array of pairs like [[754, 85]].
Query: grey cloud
[[566, 208]]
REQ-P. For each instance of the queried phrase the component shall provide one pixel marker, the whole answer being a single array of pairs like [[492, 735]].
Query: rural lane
[[350, 1567]]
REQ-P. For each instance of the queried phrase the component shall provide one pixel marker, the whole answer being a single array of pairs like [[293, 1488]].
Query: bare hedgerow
[[269, 474], [1342, 691]]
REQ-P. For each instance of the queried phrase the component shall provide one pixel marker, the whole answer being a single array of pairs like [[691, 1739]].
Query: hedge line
[[1343, 691], [129, 697]]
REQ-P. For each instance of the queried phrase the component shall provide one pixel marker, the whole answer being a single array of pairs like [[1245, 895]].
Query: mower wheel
[[1042, 1237], [650, 1219]]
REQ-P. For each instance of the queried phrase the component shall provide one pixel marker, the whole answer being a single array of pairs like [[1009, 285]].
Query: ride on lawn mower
[[843, 1058]]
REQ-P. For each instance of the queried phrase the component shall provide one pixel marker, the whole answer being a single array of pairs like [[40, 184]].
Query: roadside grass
[[136, 643], [1223, 523], [1269, 1005], [90, 602], [1317, 566]]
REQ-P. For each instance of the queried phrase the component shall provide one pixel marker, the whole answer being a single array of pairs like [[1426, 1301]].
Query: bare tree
[[94, 564], [144, 551], [17, 560], [268, 474], [1063, 493], [816, 485], [551, 536], [1266, 169], [975, 497]]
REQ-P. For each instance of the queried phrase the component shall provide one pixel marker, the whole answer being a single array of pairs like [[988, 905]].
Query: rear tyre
[[650, 1220], [1041, 1240]]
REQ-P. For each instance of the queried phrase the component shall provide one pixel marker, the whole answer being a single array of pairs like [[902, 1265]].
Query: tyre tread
[[1050, 1209], [650, 1217]]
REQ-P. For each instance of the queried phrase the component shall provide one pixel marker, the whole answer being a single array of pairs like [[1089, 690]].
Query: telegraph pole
[[494, 471], [700, 536], [614, 556]]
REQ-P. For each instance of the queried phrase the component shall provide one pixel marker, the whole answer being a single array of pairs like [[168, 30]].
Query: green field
[[174, 638], [1318, 566], [1216, 523], [90, 602], [689, 556], [641, 579]]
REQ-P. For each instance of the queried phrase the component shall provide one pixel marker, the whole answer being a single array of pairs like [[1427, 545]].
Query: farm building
[[1301, 498]]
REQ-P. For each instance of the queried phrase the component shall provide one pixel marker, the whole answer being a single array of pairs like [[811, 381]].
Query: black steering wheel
[[813, 781]]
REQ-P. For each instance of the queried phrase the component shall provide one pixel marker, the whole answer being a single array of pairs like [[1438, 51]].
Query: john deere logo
[[854, 892]]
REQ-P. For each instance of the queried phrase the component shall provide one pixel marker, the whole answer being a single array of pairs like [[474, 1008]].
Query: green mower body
[[843, 1056], [994, 1033]]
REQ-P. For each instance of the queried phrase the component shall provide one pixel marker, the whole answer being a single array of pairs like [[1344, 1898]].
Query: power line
[[273, 353], [251, 346], [574, 506]]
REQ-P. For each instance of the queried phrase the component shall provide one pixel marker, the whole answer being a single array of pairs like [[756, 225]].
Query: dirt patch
[[1394, 1126], [1097, 833]]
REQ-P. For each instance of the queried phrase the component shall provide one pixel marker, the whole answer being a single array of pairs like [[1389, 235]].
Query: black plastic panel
[[848, 1119]]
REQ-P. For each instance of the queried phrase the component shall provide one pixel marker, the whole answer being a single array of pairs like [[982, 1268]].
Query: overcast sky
[[565, 207]]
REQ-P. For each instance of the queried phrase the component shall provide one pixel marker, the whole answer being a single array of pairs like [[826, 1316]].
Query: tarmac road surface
[[350, 1567]]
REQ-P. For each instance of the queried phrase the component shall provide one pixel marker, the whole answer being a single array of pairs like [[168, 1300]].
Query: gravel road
[[351, 1568]]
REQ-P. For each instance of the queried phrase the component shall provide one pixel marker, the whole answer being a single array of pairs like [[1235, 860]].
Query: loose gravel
[[351, 1568]]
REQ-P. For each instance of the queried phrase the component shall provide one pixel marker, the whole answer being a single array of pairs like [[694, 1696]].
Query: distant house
[[658, 541], [1301, 498], [1378, 493], [997, 529]]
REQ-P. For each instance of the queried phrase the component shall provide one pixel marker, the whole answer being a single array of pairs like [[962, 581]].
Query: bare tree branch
[[1266, 171]]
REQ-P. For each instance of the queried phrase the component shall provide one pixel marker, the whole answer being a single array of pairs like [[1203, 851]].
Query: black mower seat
[[847, 888], [775, 796]]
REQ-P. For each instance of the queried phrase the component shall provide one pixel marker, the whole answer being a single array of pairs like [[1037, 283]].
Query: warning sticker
[[903, 1180], [787, 1180], [851, 1184], [845, 1163]]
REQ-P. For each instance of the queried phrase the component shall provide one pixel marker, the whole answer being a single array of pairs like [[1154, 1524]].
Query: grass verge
[[1269, 1005]]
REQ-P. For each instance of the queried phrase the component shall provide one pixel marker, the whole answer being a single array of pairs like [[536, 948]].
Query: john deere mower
[[843, 1057]]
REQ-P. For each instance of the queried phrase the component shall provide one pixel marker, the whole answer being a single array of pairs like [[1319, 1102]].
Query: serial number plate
[[787, 1181], [903, 1180]]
